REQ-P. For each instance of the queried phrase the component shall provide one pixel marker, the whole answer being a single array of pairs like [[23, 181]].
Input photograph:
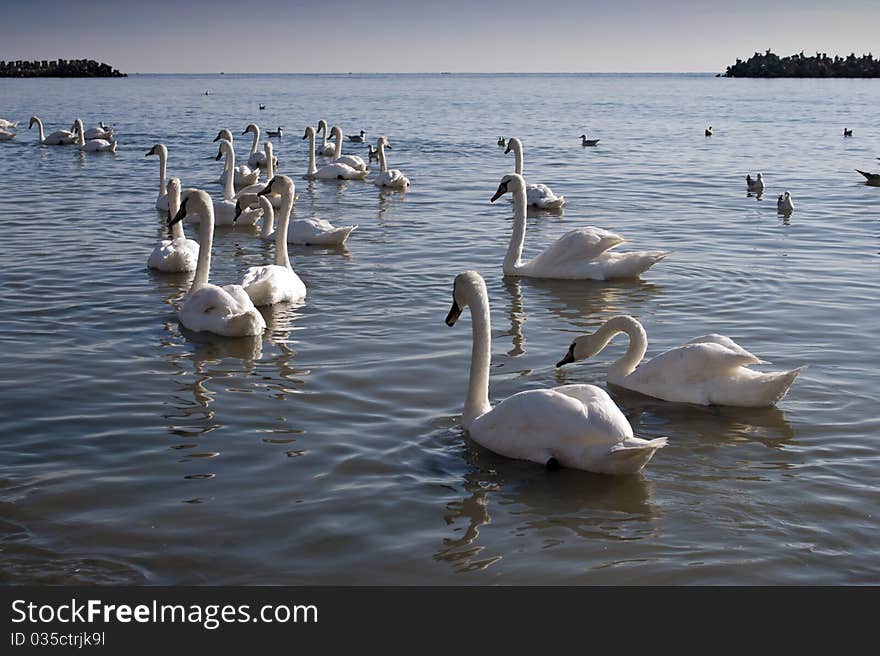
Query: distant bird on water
[[501, 142], [872, 179], [275, 133], [847, 133], [358, 138], [262, 106], [709, 131], [784, 203], [755, 186], [588, 142]]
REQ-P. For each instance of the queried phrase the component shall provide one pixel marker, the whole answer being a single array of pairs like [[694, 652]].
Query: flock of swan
[[577, 425]]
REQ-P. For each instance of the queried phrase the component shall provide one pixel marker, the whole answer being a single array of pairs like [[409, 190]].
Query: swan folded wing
[[353, 161], [612, 265], [392, 178], [173, 256], [725, 341], [576, 247], [692, 364], [542, 196], [340, 171], [317, 231]]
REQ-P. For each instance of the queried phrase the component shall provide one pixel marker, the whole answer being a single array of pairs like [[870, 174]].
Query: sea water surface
[[329, 450]]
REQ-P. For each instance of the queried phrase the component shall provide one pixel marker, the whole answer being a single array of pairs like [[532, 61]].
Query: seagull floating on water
[[784, 203], [847, 133], [588, 142], [755, 186]]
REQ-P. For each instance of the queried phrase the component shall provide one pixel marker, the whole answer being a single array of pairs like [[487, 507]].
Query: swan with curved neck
[[309, 232], [176, 254], [162, 198], [275, 283], [57, 138], [334, 171], [224, 209], [392, 178], [274, 198], [226, 310], [99, 132], [242, 175], [325, 149], [576, 426], [255, 158], [707, 370], [93, 145], [537, 195], [355, 162], [580, 254]]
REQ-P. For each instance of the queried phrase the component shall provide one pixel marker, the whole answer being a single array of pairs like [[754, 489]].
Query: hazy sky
[[442, 35]]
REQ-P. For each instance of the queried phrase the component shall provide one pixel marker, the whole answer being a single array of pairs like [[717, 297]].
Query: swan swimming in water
[[355, 162], [178, 253], [162, 198], [100, 132], [580, 254], [255, 158], [243, 175], [224, 210], [784, 203], [274, 198], [57, 138], [334, 171], [310, 232], [8, 125], [5, 135], [325, 149], [227, 310], [92, 145], [392, 178], [707, 370], [275, 283], [576, 426], [537, 195]]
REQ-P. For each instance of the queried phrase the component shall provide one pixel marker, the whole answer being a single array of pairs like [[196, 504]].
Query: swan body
[[93, 145], [100, 132], [57, 138], [274, 198], [325, 149], [707, 370], [358, 138], [392, 178], [580, 254], [224, 210], [355, 162], [784, 203], [8, 125], [755, 186], [162, 198], [576, 426], [275, 283], [537, 195], [255, 158], [6, 135], [872, 179], [588, 142], [242, 174], [334, 171], [227, 310], [178, 253]]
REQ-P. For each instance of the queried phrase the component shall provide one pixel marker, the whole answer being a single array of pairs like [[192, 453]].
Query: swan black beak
[[306, 135], [507, 150], [181, 214], [152, 152], [265, 191], [219, 136], [388, 146], [502, 189], [569, 357], [454, 314], [238, 210], [245, 132], [219, 156]]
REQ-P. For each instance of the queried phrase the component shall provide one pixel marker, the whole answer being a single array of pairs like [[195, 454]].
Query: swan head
[[77, 127], [244, 202], [310, 132], [383, 140], [33, 120], [158, 149], [335, 130], [252, 127], [224, 134], [173, 186], [195, 200], [583, 347], [510, 145], [466, 284], [225, 147], [280, 184], [509, 183], [322, 125]]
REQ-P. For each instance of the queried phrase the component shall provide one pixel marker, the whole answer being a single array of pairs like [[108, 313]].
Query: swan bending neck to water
[[707, 370], [176, 254], [580, 254], [227, 310], [392, 178], [162, 198], [576, 426], [274, 283], [92, 145], [57, 138], [334, 171], [537, 195]]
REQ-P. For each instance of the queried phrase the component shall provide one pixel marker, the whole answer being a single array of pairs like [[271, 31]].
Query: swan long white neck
[[229, 172], [270, 164], [206, 239], [173, 207], [516, 147], [338, 132], [163, 170], [268, 218], [638, 344], [513, 259], [312, 168], [80, 137], [39, 123], [383, 164], [477, 402], [322, 128], [281, 256], [256, 138]]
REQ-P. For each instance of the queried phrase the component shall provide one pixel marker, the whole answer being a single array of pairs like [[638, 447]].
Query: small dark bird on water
[[872, 179], [262, 106], [709, 131], [847, 133]]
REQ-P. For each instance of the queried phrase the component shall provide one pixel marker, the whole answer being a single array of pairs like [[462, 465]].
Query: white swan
[[755, 186], [178, 253], [5, 135], [100, 132], [388, 177], [784, 203], [274, 198], [224, 210], [274, 283], [310, 232], [162, 198], [580, 254], [537, 195], [255, 158], [707, 370], [57, 138], [93, 145], [225, 310], [8, 125], [243, 175], [325, 149], [332, 171], [576, 426], [355, 162]]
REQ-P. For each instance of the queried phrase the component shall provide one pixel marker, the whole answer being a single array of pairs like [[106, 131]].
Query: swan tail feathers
[[113, 146], [631, 456]]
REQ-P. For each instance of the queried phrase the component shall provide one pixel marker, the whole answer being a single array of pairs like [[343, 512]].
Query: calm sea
[[329, 450]]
